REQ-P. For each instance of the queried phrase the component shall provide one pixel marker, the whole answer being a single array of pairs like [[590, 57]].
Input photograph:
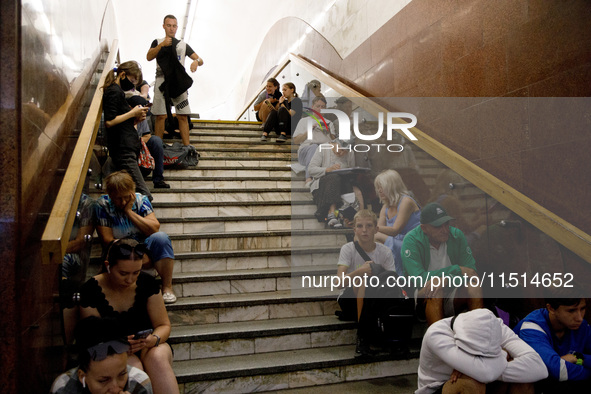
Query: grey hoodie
[[477, 346]]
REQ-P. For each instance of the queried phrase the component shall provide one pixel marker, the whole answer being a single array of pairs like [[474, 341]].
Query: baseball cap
[[434, 214]]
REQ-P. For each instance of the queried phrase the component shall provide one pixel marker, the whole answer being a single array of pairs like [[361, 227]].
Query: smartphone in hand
[[142, 334]]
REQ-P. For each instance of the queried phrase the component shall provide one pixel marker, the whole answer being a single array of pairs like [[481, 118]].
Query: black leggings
[[280, 121], [330, 188]]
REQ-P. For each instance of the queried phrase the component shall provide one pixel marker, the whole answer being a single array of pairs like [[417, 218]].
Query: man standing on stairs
[[172, 78]]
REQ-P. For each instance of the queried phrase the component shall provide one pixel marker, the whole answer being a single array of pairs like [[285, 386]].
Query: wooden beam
[[59, 226], [544, 220]]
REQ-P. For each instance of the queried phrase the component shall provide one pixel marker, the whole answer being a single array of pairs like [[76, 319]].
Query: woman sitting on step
[[122, 213], [328, 184], [400, 213], [133, 298], [287, 115]]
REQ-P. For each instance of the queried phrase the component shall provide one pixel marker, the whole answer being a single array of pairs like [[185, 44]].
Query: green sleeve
[[413, 257], [464, 256]]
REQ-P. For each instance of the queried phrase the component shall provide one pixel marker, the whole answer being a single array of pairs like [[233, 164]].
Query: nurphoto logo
[[392, 124]]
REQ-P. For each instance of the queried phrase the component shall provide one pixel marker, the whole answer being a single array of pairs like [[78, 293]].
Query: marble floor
[[403, 384]]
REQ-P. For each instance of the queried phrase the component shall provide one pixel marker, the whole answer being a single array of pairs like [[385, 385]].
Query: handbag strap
[[376, 269], [361, 251]]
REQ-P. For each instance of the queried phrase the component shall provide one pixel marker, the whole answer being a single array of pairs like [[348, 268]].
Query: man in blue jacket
[[562, 337], [437, 257]]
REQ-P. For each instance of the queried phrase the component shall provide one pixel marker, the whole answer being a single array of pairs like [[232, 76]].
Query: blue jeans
[[156, 148]]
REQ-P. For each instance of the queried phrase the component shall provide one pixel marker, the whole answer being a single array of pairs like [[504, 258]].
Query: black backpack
[[178, 156], [387, 317]]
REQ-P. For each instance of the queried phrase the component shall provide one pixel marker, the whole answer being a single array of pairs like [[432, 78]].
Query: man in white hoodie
[[467, 353]]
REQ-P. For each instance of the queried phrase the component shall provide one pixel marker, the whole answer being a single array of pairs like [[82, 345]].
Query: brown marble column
[[9, 189]]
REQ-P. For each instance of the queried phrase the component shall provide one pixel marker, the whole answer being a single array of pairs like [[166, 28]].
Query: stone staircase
[[244, 234]]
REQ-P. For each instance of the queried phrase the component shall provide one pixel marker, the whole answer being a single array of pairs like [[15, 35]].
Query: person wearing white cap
[[438, 254], [476, 351]]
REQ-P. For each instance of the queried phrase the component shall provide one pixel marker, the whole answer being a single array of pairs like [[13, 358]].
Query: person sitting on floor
[[122, 213], [102, 358], [475, 352], [562, 337], [435, 249]]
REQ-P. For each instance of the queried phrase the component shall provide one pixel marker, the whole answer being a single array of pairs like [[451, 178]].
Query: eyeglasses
[[100, 351], [125, 251]]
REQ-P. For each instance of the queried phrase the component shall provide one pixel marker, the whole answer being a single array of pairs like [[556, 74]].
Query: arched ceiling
[[227, 34]]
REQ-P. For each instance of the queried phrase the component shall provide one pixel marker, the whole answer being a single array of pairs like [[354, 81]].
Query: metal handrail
[[274, 74], [59, 226]]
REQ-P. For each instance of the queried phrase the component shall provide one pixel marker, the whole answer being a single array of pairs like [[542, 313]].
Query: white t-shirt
[[439, 257], [381, 255]]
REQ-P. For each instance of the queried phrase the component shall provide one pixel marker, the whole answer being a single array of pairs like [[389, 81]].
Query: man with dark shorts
[[435, 250]]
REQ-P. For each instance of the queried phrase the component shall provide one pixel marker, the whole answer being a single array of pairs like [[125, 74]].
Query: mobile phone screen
[[142, 334]]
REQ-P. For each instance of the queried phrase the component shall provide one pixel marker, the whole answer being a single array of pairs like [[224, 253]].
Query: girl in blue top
[[400, 213]]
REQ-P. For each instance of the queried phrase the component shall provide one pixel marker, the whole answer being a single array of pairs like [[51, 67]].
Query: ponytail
[[131, 68]]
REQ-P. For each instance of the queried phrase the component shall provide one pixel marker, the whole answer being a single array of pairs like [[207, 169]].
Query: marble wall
[[49, 54], [477, 48]]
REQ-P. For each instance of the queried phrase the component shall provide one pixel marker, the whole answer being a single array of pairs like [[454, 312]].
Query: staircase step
[[228, 195], [245, 154], [204, 283], [255, 337], [234, 183], [211, 144], [237, 209], [286, 369], [255, 259], [230, 172], [222, 127], [225, 308], [256, 240], [239, 223], [233, 161], [245, 170]]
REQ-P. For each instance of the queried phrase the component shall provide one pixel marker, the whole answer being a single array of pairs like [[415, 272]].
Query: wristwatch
[[157, 340]]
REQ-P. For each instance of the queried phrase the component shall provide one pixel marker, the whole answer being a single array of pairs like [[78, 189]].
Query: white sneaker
[[169, 298]]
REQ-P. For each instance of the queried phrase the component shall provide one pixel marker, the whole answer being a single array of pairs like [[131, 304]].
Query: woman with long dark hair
[[121, 291], [286, 117], [123, 140]]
